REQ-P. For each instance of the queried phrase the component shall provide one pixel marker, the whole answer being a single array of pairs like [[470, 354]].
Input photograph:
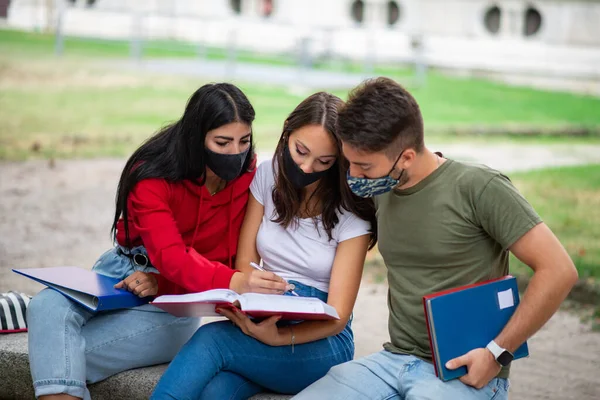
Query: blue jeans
[[386, 376], [221, 362], [69, 345]]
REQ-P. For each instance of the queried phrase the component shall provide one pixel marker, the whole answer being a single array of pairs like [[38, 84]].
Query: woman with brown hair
[[308, 228]]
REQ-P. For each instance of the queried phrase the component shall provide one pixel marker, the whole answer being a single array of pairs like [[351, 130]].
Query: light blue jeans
[[386, 376], [69, 345], [221, 362]]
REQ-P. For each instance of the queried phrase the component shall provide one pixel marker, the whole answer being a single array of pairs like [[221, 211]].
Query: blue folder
[[92, 290], [469, 317]]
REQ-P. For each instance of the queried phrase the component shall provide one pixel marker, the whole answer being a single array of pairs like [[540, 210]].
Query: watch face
[[505, 358]]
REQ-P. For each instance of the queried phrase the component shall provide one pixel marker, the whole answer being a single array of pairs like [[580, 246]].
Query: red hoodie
[[191, 237]]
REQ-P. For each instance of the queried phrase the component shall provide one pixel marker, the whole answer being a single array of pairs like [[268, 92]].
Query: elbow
[[339, 326], [565, 275], [571, 276]]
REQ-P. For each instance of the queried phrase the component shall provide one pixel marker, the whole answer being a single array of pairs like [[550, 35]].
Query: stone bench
[[15, 379]]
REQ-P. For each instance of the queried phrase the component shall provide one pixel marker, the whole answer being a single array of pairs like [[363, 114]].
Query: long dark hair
[[332, 191], [177, 151]]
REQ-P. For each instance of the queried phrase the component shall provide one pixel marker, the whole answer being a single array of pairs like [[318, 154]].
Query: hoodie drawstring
[[229, 228], [197, 220]]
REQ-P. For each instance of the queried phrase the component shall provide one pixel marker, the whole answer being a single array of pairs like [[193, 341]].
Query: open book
[[257, 305]]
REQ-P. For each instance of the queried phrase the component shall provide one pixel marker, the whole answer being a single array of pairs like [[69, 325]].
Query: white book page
[[280, 303], [213, 296], [86, 299]]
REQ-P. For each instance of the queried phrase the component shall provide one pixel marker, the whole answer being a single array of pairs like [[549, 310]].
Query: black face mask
[[297, 177], [226, 166]]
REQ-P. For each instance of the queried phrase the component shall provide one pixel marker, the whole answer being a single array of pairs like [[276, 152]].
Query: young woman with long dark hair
[[180, 204]]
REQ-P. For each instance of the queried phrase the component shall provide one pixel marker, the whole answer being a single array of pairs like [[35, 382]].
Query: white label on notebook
[[506, 299]]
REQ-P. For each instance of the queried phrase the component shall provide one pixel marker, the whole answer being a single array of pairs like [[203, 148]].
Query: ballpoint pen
[[258, 267]]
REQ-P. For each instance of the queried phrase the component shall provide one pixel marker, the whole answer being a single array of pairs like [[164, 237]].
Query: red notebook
[[253, 304]]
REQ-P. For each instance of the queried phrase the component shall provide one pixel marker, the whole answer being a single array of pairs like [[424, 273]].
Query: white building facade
[[547, 43]]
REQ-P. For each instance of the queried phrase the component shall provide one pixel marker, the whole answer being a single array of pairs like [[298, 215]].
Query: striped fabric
[[12, 312]]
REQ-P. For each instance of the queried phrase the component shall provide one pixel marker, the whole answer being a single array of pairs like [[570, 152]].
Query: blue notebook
[[92, 290], [469, 317]]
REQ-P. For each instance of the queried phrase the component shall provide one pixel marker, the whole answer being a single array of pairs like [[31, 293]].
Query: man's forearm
[[546, 291]]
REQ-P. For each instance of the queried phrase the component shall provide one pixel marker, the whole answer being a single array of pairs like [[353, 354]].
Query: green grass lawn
[[76, 107], [568, 200], [37, 44], [104, 114]]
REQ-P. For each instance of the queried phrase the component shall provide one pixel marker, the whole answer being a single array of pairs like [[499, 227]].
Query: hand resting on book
[[140, 283], [266, 330]]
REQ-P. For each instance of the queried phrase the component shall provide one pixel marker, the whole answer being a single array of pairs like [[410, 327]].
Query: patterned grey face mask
[[369, 187]]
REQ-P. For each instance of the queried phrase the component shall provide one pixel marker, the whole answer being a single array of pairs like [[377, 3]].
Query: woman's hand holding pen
[[258, 282], [266, 282], [288, 287]]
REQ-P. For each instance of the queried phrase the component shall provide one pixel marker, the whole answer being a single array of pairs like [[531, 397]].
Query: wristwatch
[[502, 356]]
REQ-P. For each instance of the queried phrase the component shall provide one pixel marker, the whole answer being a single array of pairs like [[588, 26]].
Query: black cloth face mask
[[297, 177], [226, 166]]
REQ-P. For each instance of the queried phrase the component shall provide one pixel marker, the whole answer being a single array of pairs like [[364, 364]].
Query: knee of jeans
[[228, 385], [47, 306], [339, 370], [216, 388], [209, 334]]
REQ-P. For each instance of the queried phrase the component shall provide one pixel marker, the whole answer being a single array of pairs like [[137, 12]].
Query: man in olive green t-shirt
[[441, 224]]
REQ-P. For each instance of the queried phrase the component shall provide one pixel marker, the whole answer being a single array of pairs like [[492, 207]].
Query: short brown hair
[[380, 115]]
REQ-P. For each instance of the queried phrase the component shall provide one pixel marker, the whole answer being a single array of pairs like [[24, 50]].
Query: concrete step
[[137, 384]]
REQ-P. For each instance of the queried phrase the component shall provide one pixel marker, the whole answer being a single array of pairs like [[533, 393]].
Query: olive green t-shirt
[[451, 229]]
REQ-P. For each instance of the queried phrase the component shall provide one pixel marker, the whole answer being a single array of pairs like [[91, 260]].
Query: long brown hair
[[332, 191]]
